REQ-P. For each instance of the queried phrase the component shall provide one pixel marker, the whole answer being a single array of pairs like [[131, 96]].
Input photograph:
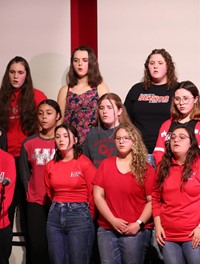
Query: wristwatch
[[140, 223]]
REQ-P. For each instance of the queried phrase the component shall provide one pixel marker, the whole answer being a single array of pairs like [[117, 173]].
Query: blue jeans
[[70, 233], [151, 161], [180, 253], [115, 248]]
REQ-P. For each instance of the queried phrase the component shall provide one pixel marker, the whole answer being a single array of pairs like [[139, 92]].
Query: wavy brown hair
[[166, 162], [195, 113], [94, 75], [138, 165], [171, 74], [26, 102], [123, 118]]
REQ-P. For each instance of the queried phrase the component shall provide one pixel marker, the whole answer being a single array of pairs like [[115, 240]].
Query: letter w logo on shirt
[[43, 156]]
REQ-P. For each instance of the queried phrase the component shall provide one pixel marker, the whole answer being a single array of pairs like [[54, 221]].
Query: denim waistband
[[70, 204]]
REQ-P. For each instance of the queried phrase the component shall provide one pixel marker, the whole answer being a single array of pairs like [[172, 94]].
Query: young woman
[[176, 199], [148, 103], [100, 143], [78, 99], [36, 151], [185, 109], [7, 186], [18, 116], [122, 194], [68, 179]]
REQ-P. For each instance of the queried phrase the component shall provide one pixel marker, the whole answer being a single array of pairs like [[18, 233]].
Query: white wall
[[39, 31], [129, 30]]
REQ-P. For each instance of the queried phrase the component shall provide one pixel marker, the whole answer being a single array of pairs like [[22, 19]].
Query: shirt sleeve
[[159, 149], [150, 180], [86, 151], [156, 200], [10, 173], [128, 102], [47, 175], [89, 172]]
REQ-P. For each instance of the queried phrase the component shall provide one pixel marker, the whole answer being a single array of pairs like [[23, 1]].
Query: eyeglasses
[[179, 136], [124, 139], [185, 100]]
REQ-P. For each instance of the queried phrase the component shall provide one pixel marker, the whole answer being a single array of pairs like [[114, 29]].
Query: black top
[[148, 109]]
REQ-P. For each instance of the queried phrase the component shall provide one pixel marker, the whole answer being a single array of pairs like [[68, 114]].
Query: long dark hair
[[94, 75], [77, 147], [26, 102], [171, 74], [166, 162]]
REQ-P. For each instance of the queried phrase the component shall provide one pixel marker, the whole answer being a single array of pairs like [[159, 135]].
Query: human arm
[[49, 190], [159, 149], [61, 99], [8, 171], [146, 214], [89, 172], [102, 89], [160, 233], [101, 204]]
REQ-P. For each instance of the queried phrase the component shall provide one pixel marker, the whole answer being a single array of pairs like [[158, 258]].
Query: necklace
[[46, 139]]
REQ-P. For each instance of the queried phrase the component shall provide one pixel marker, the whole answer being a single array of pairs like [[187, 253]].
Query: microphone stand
[[2, 196]]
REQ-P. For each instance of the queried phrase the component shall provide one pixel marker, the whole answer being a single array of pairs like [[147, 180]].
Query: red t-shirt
[[36, 152], [125, 198], [179, 210], [7, 170], [71, 181], [15, 136]]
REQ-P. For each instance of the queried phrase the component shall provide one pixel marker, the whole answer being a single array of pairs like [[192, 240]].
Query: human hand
[[160, 235], [119, 224], [132, 229], [196, 237]]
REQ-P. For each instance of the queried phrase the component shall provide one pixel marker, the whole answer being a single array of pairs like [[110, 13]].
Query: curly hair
[[195, 113], [171, 74], [94, 75], [26, 102], [77, 147], [166, 162], [123, 118], [138, 165]]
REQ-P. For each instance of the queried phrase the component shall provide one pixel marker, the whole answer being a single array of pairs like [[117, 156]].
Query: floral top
[[81, 110]]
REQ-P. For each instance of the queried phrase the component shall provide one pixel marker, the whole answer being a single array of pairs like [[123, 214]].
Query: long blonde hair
[[139, 152]]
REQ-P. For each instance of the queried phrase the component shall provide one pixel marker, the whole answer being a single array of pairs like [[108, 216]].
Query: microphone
[[6, 182]]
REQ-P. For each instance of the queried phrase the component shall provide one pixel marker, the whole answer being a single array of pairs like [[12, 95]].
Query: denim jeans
[[180, 253], [151, 161], [70, 233], [115, 248]]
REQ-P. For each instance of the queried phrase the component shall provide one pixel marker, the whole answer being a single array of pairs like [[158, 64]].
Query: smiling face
[[17, 75], [158, 69], [109, 113], [80, 63], [180, 142], [184, 101]]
